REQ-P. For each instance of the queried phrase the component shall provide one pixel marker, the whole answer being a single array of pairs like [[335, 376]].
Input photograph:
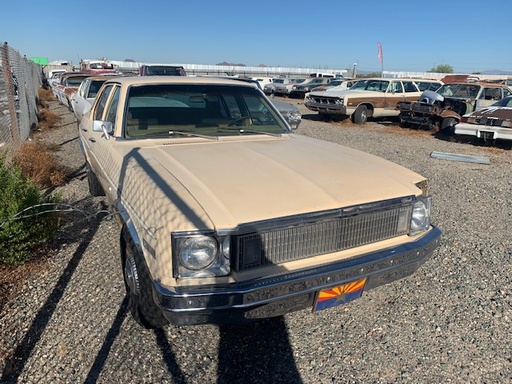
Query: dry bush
[[36, 162], [45, 95], [47, 119]]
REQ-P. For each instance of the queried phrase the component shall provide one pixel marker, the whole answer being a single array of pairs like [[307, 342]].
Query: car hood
[[257, 178], [502, 113]]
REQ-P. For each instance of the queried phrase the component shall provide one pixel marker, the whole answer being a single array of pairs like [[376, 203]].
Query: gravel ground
[[66, 319]]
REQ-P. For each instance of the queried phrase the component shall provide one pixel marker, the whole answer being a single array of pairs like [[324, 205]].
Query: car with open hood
[[442, 109], [227, 216]]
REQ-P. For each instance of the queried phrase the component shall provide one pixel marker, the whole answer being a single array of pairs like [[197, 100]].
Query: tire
[[95, 188], [360, 116], [448, 125], [137, 281]]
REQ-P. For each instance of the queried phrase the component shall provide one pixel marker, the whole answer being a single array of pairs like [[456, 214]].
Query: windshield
[[371, 85], [459, 90], [75, 81], [163, 71], [505, 102], [199, 109], [427, 85]]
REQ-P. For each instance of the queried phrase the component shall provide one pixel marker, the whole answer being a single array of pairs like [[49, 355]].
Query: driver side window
[[102, 102], [112, 108]]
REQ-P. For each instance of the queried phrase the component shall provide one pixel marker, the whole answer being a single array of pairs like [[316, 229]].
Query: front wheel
[[360, 116], [137, 282], [448, 125]]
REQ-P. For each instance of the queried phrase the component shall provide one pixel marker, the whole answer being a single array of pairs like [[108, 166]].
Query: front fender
[[449, 113]]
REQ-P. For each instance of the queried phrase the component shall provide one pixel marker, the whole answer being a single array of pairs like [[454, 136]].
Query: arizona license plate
[[341, 294]]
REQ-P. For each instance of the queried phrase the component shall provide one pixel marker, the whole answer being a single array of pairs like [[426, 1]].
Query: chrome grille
[[295, 242], [323, 100]]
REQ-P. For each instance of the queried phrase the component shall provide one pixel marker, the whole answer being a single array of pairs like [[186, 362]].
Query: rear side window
[[410, 87]]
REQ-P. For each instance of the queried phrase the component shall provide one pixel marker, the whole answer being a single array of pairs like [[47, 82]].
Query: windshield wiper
[[193, 134], [184, 133], [244, 130]]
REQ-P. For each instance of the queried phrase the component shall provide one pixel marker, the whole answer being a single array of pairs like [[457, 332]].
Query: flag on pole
[[379, 55]]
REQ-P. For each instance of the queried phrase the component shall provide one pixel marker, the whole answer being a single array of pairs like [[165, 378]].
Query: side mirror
[[103, 126]]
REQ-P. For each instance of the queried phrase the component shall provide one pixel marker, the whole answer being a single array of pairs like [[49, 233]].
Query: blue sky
[[415, 36]]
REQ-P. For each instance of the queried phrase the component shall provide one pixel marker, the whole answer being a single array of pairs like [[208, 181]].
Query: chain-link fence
[[20, 80]]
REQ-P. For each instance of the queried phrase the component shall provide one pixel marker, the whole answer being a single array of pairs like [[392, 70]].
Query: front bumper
[[326, 107], [277, 295], [418, 119]]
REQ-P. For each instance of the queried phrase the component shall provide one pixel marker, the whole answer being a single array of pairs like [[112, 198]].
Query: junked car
[[86, 93], [442, 109], [162, 70], [270, 88], [263, 81], [227, 216], [286, 88], [337, 83], [489, 123], [299, 90], [375, 97], [67, 86]]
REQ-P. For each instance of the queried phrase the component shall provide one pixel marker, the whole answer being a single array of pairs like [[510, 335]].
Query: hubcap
[[130, 274]]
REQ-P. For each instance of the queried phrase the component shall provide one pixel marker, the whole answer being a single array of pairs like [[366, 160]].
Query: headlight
[[198, 252], [201, 255], [293, 118], [420, 220]]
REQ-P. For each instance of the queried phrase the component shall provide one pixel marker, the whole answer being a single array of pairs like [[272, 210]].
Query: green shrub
[[21, 238]]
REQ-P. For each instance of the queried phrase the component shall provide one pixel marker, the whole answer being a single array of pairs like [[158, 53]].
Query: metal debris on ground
[[459, 157]]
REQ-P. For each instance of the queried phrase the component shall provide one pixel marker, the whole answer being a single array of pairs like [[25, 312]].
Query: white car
[[262, 81], [86, 93]]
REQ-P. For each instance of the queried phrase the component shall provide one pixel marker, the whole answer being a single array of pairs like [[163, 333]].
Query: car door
[[99, 143], [394, 94], [78, 100]]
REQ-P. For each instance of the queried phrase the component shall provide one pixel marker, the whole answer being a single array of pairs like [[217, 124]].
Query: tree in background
[[442, 68]]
